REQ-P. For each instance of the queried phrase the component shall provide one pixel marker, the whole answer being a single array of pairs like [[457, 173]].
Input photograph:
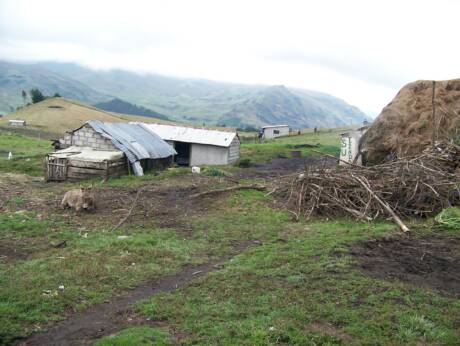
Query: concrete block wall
[[87, 137]]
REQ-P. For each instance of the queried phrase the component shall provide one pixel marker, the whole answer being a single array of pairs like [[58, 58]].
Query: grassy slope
[[73, 114]]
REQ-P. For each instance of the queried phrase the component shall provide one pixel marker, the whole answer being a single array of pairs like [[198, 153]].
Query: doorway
[[183, 153]]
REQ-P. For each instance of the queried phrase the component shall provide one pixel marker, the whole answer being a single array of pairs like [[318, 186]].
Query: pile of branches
[[420, 185]]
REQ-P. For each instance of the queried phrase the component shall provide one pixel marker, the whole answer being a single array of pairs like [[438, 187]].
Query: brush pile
[[420, 185]]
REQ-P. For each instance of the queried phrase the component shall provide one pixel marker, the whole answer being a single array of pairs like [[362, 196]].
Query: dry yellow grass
[[58, 115]]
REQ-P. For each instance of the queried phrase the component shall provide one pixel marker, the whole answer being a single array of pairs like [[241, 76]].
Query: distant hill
[[203, 101], [57, 115], [280, 105], [17, 77], [119, 106]]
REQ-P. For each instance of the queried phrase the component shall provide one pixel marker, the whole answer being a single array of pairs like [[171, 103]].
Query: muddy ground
[[431, 262], [284, 166], [167, 206]]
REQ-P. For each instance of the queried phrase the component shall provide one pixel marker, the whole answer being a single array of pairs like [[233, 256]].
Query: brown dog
[[82, 198]]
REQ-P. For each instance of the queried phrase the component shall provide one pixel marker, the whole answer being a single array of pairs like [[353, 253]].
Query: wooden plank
[[76, 175], [56, 164], [119, 170], [46, 169], [89, 171], [82, 176]]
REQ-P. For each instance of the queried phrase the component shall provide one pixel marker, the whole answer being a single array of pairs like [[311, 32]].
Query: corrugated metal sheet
[[274, 126], [134, 140], [191, 135]]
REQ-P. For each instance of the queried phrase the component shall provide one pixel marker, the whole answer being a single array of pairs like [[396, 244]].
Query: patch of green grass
[[96, 264], [328, 142], [23, 224], [91, 269], [136, 336], [15, 202], [418, 327], [267, 151], [280, 292], [449, 219], [213, 171], [28, 153]]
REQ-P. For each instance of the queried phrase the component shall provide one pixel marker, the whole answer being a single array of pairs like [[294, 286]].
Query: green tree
[[36, 95], [56, 95], [24, 96]]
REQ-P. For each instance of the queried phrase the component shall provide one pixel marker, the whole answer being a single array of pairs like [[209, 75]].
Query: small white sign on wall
[[349, 149]]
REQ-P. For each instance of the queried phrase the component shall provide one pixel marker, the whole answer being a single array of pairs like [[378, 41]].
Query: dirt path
[[83, 328]]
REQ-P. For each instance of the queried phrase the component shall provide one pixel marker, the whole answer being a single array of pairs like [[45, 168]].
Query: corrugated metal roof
[[134, 140], [270, 126], [191, 135]]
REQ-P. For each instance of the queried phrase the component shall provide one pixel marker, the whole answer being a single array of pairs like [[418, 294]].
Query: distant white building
[[273, 131], [197, 147], [17, 122]]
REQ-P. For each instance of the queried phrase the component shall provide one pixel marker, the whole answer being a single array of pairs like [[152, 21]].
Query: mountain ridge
[[203, 101], [14, 78]]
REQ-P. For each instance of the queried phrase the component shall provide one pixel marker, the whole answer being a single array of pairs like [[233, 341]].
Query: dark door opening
[[183, 153]]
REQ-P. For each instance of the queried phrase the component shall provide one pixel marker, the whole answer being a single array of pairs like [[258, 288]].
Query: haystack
[[406, 125]]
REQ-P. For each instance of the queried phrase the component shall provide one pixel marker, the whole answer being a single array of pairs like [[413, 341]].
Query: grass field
[[328, 141], [270, 281], [28, 153]]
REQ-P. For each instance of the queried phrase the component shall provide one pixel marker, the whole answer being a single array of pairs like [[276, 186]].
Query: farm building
[[17, 122], [273, 131], [197, 147], [107, 150]]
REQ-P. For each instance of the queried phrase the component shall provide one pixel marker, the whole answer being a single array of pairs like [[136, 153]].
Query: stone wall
[[86, 137]]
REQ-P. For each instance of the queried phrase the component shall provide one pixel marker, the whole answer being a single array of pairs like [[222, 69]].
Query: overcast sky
[[361, 51]]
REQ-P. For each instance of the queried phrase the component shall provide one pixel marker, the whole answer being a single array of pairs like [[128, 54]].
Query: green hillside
[[14, 78], [119, 106], [191, 100]]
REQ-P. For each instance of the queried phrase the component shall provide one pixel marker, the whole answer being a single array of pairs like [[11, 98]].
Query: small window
[[276, 132]]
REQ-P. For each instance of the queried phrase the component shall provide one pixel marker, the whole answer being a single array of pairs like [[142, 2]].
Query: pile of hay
[[406, 127]]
